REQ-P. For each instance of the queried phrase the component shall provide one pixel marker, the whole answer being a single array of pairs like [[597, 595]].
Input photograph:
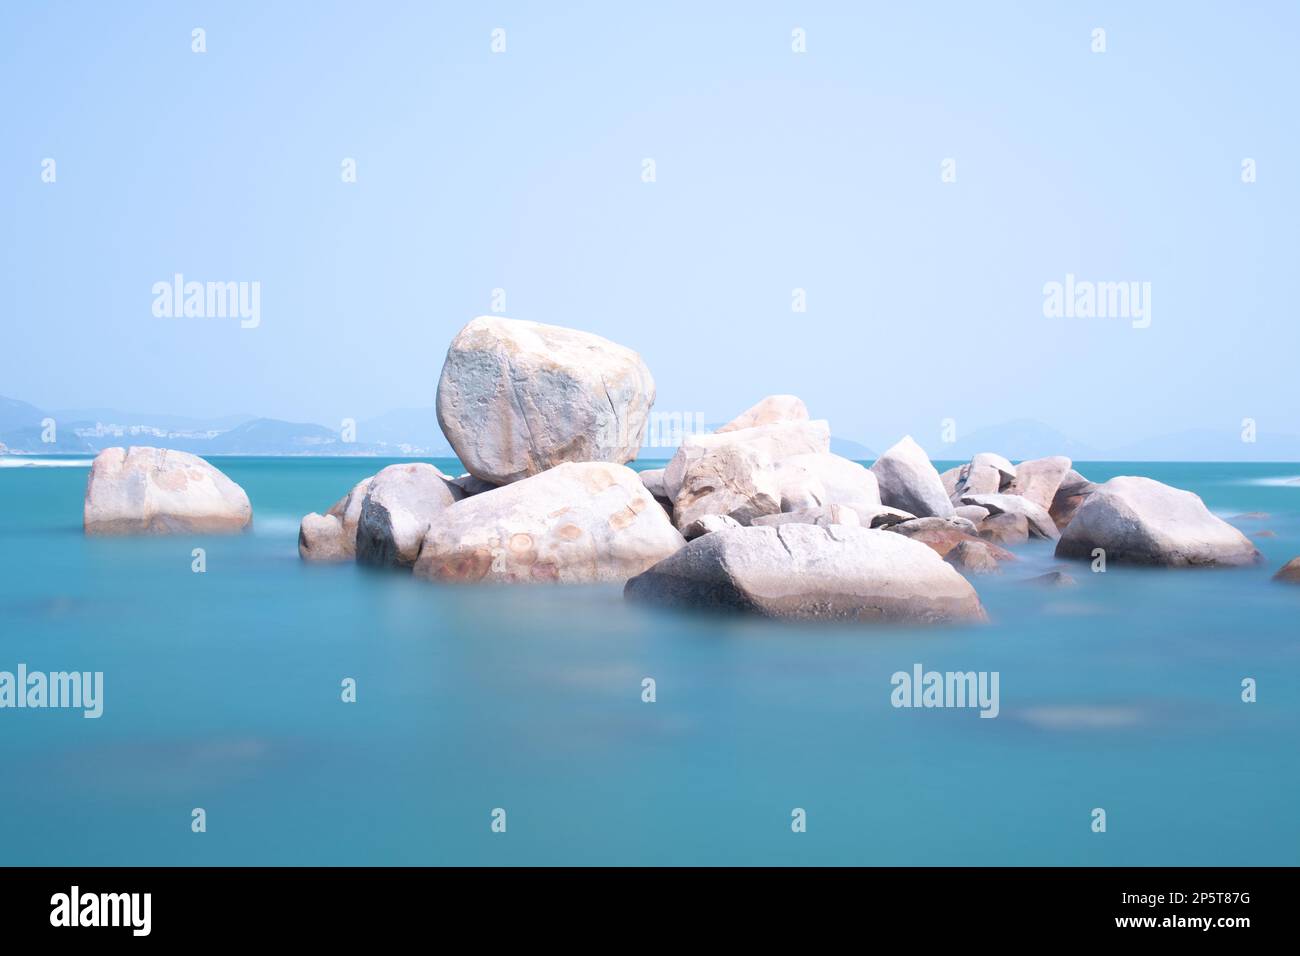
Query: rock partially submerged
[[805, 571], [332, 537], [516, 398], [1054, 579], [143, 490], [321, 540], [948, 535], [1289, 572], [972, 556], [399, 505], [909, 481], [1141, 521], [1008, 529], [575, 523]]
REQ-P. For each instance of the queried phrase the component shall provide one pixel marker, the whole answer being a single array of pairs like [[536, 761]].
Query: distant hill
[[1206, 444], [414, 432], [1017, 440], [407, 427]]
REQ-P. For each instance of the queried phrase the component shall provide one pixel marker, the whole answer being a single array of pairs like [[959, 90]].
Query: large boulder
[[908, 481], [400, 503], [774, 408], [578, 522], [736, 473], [142, 490], [806, 571], [516, 398], [818, 479], [1141, 521], [772, 443], [1041, 524], [1039, 479]]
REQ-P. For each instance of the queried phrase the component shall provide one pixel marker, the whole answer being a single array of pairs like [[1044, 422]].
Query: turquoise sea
[[222, 691]]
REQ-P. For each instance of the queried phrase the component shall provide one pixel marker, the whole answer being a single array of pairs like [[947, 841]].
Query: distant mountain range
[[26, 429], [414, 433]]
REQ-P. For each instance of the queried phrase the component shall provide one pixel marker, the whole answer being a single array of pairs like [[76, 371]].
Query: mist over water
[[222, 691]]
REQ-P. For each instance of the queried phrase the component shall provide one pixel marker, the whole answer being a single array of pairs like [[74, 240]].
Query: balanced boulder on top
[[516, 398]]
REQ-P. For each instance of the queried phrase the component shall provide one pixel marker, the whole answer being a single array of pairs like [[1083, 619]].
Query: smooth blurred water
[[222, 691]]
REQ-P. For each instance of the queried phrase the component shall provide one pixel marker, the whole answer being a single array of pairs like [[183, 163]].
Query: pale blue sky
[[522, 170]]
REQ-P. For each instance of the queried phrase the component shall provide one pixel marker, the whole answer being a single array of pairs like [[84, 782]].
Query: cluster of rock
[[758, 515]]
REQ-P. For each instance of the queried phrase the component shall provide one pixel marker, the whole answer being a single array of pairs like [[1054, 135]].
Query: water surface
[[223, 692]]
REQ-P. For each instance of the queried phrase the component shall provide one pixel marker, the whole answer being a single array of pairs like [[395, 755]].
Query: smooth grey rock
[[398, 507], [768, 411], [908, 481], [578, 522], [1041, 524], [804, 571], [516, 398], [143, 490], [1141, 521]]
